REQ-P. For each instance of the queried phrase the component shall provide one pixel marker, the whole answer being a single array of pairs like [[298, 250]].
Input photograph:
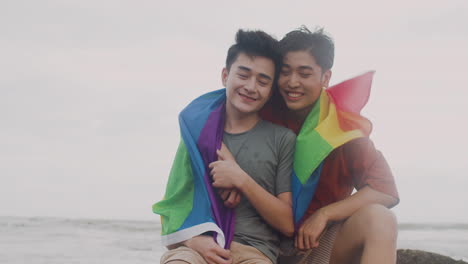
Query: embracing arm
[[275, 210]]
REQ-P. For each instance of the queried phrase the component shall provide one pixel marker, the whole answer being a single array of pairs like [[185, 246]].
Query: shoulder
[[278, 132], [359, 146], [358, 151]]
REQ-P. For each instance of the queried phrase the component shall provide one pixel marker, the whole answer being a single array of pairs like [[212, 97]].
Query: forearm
[[347, 207], [176, 245], [275, 211]]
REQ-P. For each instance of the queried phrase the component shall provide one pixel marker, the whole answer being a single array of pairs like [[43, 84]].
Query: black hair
[[254, 43], [318, 43]]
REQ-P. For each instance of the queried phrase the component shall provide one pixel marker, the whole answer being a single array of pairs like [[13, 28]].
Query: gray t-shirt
[[266, 154]]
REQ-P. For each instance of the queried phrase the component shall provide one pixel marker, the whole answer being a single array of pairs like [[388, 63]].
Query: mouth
[[247, 98], [293, 96]]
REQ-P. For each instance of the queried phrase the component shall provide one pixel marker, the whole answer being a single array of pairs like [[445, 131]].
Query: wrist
[[187, 242], [242, 181], [324, 213]]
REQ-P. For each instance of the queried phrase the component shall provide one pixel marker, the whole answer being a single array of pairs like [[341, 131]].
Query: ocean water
[[39, 240]]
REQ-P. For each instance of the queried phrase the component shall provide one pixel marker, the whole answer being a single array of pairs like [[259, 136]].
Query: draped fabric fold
[[190, 205], [334, 120]]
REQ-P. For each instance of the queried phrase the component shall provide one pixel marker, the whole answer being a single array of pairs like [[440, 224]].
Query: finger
[[212, 164], [226, 153], [224, 194], [316, 244], [300, 239], [220, 154], [307, 240], [228, 204], [224, 253], [232, 197], [238, 199], [316, 241]]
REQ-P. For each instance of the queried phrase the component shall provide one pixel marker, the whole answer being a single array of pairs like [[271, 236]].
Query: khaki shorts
[[241, 254], [318, 255]]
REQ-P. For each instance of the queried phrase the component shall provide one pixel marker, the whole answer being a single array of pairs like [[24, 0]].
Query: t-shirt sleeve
[[284, 170], [369, 167]]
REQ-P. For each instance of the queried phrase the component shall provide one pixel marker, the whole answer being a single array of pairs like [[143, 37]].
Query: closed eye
[[285, 72], [243, 76]]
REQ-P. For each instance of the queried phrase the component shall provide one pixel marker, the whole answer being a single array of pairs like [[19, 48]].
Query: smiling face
[[248, 84], [300, 81]]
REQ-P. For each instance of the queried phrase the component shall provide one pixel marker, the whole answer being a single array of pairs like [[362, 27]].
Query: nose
[[293, 81], [250, 85]]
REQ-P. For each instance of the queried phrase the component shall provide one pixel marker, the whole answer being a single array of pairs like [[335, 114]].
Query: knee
[[379, 222]]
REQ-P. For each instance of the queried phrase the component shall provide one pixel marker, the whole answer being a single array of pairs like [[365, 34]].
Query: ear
[[326, 76], [224, 76]]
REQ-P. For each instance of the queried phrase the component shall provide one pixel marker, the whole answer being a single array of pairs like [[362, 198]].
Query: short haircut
[[317, 43], [254, 43]]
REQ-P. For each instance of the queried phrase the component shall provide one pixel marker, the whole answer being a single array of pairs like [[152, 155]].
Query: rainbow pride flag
[[334, 120], [190, 206]]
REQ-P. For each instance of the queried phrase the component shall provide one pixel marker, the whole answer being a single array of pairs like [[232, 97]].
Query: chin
[[293, 106], [246, 110]]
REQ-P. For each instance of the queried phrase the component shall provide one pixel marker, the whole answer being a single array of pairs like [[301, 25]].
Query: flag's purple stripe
[[209, 141]]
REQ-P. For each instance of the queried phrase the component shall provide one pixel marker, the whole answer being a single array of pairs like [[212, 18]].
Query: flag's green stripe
[[312, 118], [311, 149], [178, 200]]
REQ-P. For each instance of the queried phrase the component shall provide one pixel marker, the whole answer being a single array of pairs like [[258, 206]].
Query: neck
[[300, 115], [238, 123]]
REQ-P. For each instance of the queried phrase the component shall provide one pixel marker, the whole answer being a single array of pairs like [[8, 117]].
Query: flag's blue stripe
[[198, 111], [303, 194]]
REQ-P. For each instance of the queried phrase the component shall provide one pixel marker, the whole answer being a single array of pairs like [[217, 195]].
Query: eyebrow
[[249, 70], [303, 67]]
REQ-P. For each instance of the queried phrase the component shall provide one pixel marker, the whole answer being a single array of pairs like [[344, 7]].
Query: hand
[[309, 233], [225, 172], [209, 250], [231, 197]]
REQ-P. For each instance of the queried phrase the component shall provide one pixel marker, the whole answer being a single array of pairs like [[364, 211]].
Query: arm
[[310, 231], [276, 210], [347, 207], [370, 174]]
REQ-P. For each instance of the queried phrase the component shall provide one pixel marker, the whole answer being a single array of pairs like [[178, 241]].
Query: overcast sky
[[90, 92]]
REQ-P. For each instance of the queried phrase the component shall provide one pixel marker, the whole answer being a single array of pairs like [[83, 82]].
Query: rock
[[411, 256]]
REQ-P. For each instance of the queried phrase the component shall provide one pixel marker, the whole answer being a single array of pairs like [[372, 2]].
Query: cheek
[[266, 92], [282, 82]]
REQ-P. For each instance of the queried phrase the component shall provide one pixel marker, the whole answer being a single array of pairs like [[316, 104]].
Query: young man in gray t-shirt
[[265, 154], [255, 161]]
